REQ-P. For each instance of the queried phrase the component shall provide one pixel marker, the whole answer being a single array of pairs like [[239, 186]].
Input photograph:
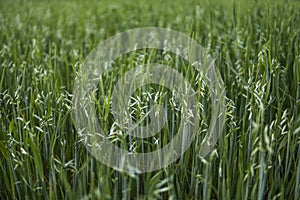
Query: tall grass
[[256, 46]]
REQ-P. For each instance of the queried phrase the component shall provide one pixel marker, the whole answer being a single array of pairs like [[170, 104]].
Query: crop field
[[255, 45]]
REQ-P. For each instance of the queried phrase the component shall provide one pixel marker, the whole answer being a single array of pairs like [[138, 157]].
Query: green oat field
[[256, 47]]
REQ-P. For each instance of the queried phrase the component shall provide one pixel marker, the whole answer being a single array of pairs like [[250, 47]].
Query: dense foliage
[[257, 51]]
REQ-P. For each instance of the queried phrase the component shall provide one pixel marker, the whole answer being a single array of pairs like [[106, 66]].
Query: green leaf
[[11, 125], [37, 158]]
